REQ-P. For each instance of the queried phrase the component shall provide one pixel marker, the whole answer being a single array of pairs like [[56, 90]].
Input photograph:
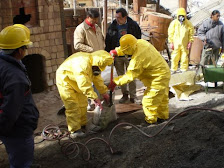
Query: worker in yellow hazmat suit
[[74, 80], [180, 34], [149, 66]]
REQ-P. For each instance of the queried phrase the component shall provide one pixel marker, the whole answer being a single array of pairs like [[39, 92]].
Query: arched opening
[[35, 67]]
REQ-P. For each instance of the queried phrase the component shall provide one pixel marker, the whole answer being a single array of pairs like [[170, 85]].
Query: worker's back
[[150, 61]]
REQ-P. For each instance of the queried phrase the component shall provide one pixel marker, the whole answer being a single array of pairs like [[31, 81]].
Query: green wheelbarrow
[[214, 74]]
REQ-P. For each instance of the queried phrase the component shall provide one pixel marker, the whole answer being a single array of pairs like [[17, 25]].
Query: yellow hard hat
[[127, 43], [181, 11], [25, 28], [13, 37]]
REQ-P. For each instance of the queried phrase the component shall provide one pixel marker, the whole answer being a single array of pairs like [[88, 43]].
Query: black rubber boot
[[123, 99]]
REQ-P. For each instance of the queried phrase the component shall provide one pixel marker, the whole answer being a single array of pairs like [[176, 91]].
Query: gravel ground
[[194, 139]]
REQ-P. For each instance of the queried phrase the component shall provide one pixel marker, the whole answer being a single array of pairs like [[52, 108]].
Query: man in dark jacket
[[18, 112], [120, 26]]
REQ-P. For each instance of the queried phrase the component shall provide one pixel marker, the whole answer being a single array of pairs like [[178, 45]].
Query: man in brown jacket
[[88, 36]]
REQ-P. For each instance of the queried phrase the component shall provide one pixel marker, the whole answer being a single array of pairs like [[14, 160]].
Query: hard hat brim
[[16, 46]]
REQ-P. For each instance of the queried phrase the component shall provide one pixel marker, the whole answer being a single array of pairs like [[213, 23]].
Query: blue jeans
[[20, 151]]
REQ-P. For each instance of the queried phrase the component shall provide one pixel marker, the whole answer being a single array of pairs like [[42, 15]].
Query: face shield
[[101, 59]]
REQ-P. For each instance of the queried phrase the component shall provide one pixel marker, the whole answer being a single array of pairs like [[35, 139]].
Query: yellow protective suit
[[149, 66], [74, 80], [180, 35]]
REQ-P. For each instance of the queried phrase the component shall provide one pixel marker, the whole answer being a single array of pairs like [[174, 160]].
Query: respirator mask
[[96, 70], [181, 18]]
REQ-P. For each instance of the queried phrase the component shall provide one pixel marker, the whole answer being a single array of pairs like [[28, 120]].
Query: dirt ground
[[193, 140]]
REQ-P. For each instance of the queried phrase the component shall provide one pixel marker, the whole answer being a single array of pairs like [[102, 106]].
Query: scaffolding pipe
[[74, 7], [97, 3], [120, 4], [127, 6], [105, 18], [112, 15]]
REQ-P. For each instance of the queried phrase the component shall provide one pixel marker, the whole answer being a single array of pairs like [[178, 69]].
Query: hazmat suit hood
[[101, 59], [128, 45], [181, 12], [130, 50]]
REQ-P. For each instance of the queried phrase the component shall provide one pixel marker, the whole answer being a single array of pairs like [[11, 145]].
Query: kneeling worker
[[150, 67], [74, 80]]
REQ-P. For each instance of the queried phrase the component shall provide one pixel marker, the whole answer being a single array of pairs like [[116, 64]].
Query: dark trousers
[[20, 151], [121, 65]]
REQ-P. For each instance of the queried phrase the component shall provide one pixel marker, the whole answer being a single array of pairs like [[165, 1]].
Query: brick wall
[[71, 23], [47, 31], [52, 29]]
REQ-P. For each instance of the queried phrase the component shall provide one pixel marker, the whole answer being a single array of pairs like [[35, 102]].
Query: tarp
[[183, 84]]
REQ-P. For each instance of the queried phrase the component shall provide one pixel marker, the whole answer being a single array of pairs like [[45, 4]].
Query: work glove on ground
[[106, 97], [98, 103], [113, 53], [112, 86]]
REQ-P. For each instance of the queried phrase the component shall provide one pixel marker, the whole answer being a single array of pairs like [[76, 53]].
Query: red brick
[[15, 11], [16, 3], [5, 4], [30, 3]]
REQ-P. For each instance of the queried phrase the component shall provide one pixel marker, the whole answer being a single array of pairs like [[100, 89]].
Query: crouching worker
[[18, 112], [149, 66], [74, 80]]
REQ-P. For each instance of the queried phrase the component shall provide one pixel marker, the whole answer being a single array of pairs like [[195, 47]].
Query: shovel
[[111, 79]]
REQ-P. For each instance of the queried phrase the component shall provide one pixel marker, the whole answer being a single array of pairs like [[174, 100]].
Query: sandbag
[[103, 117]]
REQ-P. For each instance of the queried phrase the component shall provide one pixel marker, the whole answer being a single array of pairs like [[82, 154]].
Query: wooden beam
[[105, 18], [183, 4], [137, 4], [157, 5]]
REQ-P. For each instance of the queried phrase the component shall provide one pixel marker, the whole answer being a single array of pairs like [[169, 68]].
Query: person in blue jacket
[[18, 112]]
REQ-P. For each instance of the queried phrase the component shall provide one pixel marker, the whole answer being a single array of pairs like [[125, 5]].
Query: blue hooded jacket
[[18, 112]]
